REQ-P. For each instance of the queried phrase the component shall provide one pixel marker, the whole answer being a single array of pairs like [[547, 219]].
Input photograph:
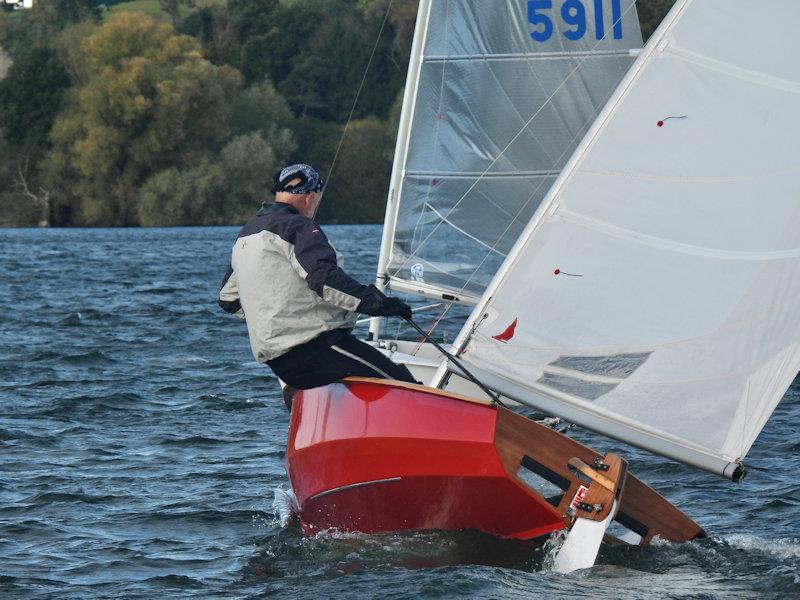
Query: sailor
[[286, 281]]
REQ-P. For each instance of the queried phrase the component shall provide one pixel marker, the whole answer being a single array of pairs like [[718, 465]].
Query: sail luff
[[401, 151]]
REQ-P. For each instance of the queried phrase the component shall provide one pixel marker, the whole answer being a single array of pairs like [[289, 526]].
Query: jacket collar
[[276, 207]]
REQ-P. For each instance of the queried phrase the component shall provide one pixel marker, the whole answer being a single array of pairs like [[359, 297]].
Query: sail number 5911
[[573, 13]]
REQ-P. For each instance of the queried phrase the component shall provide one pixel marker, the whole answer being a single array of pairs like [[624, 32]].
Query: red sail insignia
[[507, 334]]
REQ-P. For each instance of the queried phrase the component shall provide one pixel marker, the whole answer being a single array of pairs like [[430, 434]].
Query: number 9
[[574, 13]]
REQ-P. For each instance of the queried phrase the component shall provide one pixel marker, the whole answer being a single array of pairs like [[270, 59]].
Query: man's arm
[[315, 260], [229, 295]]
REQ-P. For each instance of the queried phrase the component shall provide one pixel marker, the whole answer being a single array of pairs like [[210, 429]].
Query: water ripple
[[140, 445]]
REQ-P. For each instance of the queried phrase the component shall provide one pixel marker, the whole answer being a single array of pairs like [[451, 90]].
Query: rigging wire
[[360, 87]]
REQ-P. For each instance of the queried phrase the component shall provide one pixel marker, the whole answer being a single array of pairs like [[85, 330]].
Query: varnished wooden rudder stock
[[569, 465]]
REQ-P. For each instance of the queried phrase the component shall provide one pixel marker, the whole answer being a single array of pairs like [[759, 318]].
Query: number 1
[[599, 28], [616, 16]]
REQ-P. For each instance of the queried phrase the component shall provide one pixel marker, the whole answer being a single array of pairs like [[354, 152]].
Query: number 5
[[538, 19]]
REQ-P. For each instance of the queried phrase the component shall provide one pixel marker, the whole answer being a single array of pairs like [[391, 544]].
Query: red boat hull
[[371, 457]]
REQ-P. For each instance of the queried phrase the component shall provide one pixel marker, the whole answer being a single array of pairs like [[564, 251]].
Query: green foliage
[[212, 194], [260, 108], [126, 121], [39, 25], [216, 30], [31, 96], [316, 141], [651, 13], [356, 192], [173, 8], [316, 53], [150, 102], [193, 196]]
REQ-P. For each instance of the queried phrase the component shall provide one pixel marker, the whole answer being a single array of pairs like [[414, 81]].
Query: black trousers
[[331, 356]]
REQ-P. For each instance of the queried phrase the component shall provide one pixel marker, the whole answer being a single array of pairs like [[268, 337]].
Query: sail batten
[[673, 230], [531, 56]]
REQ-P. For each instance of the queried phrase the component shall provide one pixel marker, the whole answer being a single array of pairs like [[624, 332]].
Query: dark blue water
[[140, 446]]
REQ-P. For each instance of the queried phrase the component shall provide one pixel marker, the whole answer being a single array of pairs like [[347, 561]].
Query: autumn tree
[[149, 102]]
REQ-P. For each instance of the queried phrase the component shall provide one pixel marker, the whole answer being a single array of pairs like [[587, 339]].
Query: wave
[[91, 357], [198, 440], [45, 498], [781, 548]]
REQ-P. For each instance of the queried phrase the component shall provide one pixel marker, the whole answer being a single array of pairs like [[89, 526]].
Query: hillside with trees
[[177, 112]]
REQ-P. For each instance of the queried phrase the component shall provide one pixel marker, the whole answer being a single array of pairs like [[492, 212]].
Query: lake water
[[141, 445]]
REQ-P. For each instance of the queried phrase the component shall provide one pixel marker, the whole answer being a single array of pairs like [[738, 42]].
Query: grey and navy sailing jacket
[[286, 281]]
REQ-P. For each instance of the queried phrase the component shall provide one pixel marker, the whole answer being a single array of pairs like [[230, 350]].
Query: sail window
[[616, 365], [590, 390]]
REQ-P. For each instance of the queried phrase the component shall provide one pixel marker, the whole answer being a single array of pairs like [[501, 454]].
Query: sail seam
[[527, 56], [665, 244], [693, 179], [469, 174], [763, 79]]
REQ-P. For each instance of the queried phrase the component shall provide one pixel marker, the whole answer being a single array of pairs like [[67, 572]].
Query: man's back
[[271, 260], [286, 280]]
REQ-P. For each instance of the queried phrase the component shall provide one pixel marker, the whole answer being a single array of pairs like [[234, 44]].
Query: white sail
[[498, 96], [655, 292]]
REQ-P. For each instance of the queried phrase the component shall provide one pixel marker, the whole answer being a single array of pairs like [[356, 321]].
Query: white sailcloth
[[656, 292], [498, 98]]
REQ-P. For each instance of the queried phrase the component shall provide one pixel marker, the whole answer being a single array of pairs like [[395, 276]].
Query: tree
[[38, 26], [212, 193], [173, 8], [39, 198], [176, 197], [31, 96], [651, 14], [249, 162], [217, 31], [149, 102], [357, 190], [261, 108]]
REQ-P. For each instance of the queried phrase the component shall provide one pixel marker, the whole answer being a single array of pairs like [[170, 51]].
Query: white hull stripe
[[352, 486]]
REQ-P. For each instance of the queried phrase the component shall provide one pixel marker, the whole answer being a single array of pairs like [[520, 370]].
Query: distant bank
[[5, 63]]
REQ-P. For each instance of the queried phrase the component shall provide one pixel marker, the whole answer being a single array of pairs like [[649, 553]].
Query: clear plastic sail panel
[[505, 92], [656, 293]]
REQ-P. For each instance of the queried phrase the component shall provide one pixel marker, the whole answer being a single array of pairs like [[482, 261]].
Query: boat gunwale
[[418, 388]]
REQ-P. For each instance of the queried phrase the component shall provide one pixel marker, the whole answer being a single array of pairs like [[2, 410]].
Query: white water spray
[[284, 505]]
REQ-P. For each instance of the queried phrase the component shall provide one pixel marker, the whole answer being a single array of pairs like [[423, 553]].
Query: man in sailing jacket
[[286, 281]]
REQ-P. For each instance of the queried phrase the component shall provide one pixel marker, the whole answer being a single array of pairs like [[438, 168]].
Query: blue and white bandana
[[310, 180]]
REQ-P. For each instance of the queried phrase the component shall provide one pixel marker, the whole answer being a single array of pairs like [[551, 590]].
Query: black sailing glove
[[375, 304], [394, 307]]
